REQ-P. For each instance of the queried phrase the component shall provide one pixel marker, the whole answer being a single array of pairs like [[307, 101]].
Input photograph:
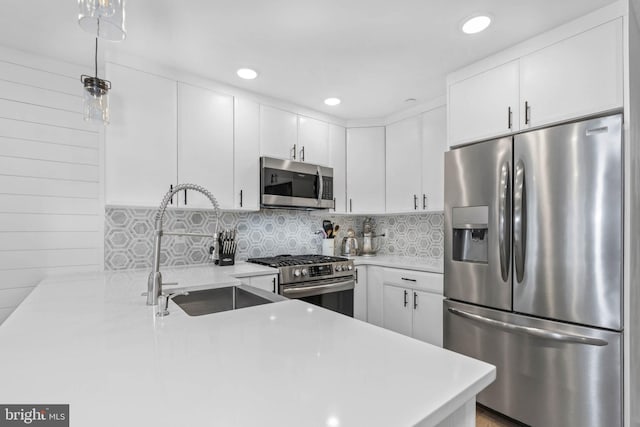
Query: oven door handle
[[305, 291]]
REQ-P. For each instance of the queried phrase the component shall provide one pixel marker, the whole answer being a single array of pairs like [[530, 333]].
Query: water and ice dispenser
[[470, 234]]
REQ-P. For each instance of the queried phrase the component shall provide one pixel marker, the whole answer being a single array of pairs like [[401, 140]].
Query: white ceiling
[[373, 54]]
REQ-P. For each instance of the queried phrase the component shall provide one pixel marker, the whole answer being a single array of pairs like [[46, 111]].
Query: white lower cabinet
[[412, 304], [267, 283], [360, 294], [374, 294]]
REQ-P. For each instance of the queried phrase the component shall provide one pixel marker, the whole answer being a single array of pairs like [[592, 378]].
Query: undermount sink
[[198, 303]]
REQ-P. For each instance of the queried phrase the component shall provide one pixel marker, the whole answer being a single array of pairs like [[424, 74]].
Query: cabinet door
[[278, 133], [140, 149], [404, 165], [397, 309], [360, 294], [338, 149], [434, 144], [267, 283], [374, 295], [365, 170], [313, 141], [205, 145], [479, 106], [427, 317], [246, 148], [575, 77]]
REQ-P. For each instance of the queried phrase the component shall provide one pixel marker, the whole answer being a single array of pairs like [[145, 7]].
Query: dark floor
[[488, 418]]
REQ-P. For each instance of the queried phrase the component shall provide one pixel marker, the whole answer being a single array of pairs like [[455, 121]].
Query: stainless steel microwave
[[298, 185]]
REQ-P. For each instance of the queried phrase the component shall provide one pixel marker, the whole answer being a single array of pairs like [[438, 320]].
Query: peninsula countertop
[[90, 341]]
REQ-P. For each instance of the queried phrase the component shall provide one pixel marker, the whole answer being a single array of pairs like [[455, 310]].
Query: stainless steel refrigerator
[[533, 270]]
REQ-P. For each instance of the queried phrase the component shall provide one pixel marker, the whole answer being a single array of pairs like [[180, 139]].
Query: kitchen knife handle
[[520, 221], [504, 223]]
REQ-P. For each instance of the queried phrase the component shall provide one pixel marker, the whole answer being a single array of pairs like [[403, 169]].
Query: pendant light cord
[[96, 57]]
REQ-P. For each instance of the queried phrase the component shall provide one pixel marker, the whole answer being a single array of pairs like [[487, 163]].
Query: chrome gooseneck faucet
[[154, 288]]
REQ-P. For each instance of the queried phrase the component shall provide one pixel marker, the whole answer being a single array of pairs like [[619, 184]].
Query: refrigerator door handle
[[528, 330], [519, 221], [504, 229]]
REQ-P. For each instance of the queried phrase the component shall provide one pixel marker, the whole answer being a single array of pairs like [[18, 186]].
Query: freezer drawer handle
[[528, 330]]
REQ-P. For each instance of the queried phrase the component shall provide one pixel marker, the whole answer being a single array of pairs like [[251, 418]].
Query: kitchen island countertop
[[90, 341]]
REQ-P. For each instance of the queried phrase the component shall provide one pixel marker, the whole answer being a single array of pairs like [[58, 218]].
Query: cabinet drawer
[[419, 280]]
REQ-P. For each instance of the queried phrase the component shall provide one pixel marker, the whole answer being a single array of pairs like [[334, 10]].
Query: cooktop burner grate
[[291, 260]]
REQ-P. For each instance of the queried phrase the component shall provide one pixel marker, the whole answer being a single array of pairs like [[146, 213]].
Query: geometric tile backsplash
[[129, 234]]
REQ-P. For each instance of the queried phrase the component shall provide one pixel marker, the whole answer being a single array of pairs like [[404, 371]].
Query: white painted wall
[[51, 209]]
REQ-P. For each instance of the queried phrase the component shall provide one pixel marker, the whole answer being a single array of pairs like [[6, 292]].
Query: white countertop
[[430, 265], [89, 340]]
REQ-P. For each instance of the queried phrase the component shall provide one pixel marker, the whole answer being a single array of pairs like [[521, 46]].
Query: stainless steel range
[[321, 280]]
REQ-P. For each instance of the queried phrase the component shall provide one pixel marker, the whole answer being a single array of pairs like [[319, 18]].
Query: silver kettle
[[350, 244]]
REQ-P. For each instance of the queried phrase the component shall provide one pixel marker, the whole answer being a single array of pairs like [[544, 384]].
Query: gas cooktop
[[293, 260]]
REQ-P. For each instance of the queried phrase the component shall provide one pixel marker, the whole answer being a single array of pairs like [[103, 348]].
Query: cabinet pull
[[356, 275], [240, 198], [274, 285], [408, 280], [424, 202], [294, 151], [405, 297], [415, 300], [302, 154], [526, 113], [171, 189], [415, 202], [509, 115], [350, 205], [185, 197]]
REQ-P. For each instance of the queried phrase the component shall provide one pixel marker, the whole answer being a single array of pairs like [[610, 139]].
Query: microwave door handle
[[320, 185]]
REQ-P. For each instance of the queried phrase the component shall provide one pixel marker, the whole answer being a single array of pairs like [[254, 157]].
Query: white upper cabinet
[[484, 105], [434, 144], [575, 77], [205, 145], [313, 141], [366, 170], [140, 149], [404, 165], [278, 133], [338, 155], [247, 155]]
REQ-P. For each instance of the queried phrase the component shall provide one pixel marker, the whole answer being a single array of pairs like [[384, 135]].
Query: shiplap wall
[[51, 207]]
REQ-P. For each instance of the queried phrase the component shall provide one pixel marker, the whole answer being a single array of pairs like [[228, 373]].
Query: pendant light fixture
[[102, 18], [95, 102]]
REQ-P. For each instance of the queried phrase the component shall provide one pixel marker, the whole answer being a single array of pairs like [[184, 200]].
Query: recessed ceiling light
[[332, 101], [247, 73], [476, 24]]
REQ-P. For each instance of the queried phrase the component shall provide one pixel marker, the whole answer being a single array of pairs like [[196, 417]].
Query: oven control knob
[[350, 267], [338, 268], [305, 271], [296, 272]]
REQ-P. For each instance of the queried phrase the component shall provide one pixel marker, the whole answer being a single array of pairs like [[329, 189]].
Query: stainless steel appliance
[[321, 280], [533, 270], [299, 185]]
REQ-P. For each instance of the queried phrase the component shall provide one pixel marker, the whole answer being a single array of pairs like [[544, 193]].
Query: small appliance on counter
[[350, 244], [369, 248]]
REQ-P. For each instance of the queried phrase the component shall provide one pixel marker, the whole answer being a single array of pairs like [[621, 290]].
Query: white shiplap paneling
[[51, 208]]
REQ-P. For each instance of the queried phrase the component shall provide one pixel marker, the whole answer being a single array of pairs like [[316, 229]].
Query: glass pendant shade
[[102, 18], [95, 101]]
